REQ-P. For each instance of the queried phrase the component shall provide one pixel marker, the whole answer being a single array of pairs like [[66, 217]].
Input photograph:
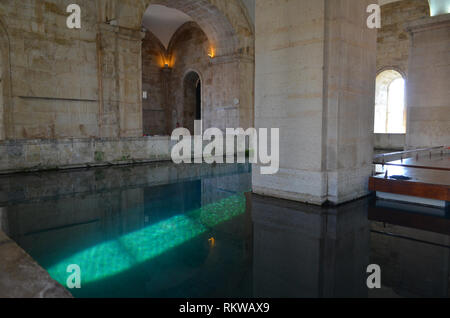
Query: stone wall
[[33, 155], [153, 82], [393, 40], [55, 84], [395, 142], [224, 81], [188, 51], [219, 79], [86, 83], [427, 91], [58, 83]]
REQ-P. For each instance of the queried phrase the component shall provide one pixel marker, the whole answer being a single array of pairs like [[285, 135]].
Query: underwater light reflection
[[113, 257]]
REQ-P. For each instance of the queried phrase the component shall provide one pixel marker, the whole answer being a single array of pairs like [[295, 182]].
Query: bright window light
[[390, 111], [438, 7]]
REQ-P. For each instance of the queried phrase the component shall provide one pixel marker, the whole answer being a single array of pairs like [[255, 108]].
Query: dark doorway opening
[[192, 100], [198, 109]]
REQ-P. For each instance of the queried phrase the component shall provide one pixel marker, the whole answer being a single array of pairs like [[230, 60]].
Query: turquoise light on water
[[115, 256]]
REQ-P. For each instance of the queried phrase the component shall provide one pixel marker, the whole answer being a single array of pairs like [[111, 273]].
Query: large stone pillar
[[427, 89], [315, 80]]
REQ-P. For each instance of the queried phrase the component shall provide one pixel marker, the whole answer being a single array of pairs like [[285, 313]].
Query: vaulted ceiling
[[163, 22]]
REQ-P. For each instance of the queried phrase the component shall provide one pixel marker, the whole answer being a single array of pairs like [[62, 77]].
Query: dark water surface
[[165, 230]]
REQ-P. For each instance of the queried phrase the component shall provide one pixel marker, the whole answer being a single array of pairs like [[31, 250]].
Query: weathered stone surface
[[311, 82], [22, 277], [427, 90], [393, 40], [59, 83], [394, 142], [27, 155]]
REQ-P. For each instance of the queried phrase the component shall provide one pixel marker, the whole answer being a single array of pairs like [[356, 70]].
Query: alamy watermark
[[74, 19], [74, 279], [374, 279], [230, 148]]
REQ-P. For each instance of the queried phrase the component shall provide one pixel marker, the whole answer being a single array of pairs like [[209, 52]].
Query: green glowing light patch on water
[[113, 257]]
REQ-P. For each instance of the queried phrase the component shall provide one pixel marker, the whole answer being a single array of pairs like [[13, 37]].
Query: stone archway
[[229, 30], [228, 83], [214, 23], [226, 23]]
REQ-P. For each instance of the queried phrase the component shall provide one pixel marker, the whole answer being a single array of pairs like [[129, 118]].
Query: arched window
[[390, 108], [438, 7]]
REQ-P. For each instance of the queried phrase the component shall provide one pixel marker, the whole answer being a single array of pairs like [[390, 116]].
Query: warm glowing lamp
[[166, 62], [211, 53]]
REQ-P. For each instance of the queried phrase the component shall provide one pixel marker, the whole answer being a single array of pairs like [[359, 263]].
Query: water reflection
[[305, 251], [215, 239]]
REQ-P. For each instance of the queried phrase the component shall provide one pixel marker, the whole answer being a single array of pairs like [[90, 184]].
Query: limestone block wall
[[393, 40], [32, 155], [222, 84], [53, 71], [390, 141], [428, 94], [153, 82], [58, 83], [227, 93], [56, 91]]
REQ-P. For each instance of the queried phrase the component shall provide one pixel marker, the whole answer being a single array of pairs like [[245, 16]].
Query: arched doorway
[[390, 106], [192, 108]]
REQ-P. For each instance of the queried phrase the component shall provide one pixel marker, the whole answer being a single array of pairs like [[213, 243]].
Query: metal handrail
[[381, 158]]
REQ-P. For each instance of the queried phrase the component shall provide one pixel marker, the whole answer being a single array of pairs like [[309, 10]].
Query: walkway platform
[[418, 179]]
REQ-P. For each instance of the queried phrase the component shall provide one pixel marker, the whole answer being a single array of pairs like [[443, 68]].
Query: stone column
[[315, 80], [427, 89]]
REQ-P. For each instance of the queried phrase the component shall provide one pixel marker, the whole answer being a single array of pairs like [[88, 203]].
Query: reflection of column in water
[[307, 251], [4, 220]]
